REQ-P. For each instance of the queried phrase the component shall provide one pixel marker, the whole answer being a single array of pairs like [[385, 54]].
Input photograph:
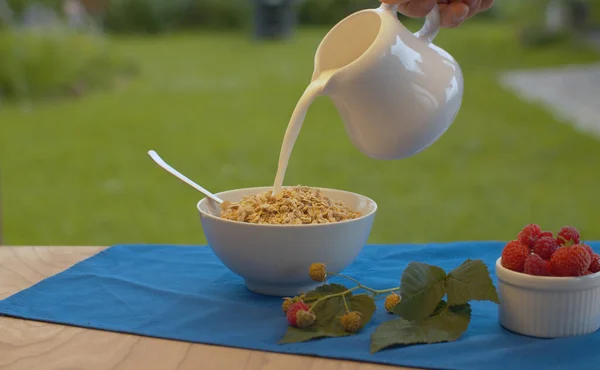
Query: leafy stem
[[345, 303], [309, 299], [333, 295], [375, 292], [422, 315]]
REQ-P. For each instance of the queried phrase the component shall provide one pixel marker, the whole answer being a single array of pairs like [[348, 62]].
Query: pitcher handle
[[433, 23]]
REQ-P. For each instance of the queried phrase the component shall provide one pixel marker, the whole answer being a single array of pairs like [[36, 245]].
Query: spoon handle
[[156, 158]]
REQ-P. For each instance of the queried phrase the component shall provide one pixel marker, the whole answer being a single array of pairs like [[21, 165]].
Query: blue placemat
[[185, 293]]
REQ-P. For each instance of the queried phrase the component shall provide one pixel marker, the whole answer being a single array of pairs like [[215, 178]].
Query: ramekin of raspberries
[[541, 253], [549, 284]]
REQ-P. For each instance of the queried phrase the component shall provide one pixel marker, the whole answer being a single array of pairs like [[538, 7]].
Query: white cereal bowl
[[548, 307], [274, 259]]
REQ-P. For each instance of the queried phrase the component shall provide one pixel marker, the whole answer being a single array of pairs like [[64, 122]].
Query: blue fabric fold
[[184, 293]]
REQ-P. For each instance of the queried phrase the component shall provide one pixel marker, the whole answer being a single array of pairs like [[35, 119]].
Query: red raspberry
[[545, 246], [595, 265], [529, 234], [535, 265], [570, 261], [546, 233], [514, 255], [291, 312], [589, 249], [568, 235], [588, 272]]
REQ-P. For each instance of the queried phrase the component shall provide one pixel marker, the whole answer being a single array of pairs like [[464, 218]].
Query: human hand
[[453, 12]]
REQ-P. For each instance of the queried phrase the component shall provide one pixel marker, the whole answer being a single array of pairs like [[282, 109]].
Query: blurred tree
[[218, 14], [572, 15], [155, 16], [6, 14], [95, 6], [329, 12], [18, 6], [95, 9], [542, 22]]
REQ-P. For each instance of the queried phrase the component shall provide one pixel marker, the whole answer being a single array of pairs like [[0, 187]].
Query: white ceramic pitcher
[[396, 91]]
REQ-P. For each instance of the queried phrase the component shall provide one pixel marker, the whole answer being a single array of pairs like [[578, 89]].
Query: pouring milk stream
[[396, 91]]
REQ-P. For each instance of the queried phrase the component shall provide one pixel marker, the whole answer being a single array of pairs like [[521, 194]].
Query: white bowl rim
[[554, 283], [264, 188]]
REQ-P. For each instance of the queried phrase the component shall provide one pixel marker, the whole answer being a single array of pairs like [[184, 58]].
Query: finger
[[453, 14], [473, 5], [485, 5], [417, 8]]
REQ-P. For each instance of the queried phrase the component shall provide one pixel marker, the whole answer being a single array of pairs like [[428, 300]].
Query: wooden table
[[29, 345]]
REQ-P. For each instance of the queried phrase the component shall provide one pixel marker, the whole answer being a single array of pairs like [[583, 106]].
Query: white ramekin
[[548, 307]]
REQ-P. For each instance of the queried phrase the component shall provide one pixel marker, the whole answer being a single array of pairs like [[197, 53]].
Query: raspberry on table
[[351, 321], [293, 310], [305, 319], [568, 235], [545, 246], [514, 255], [391, 301], [318, 272], [529, 234], [570, 261], [535, 265], [285, 305], [595, 265], [288, 301], [590, 250]]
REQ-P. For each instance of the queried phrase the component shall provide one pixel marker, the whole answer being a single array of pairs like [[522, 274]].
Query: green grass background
[[215, 106]]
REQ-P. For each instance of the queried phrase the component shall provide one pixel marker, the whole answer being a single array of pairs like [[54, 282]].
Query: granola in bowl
[[293, 205]]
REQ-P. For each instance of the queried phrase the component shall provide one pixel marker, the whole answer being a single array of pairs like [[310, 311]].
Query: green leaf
[[470, 281], [329, 312], [421, 289], [446, 325], [441, 306]]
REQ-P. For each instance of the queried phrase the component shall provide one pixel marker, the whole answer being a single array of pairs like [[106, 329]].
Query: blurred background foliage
[[153, 16], [83, 59], [133, 75]]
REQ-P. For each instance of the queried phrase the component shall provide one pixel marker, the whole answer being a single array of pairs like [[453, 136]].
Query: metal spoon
[[181, 177]]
